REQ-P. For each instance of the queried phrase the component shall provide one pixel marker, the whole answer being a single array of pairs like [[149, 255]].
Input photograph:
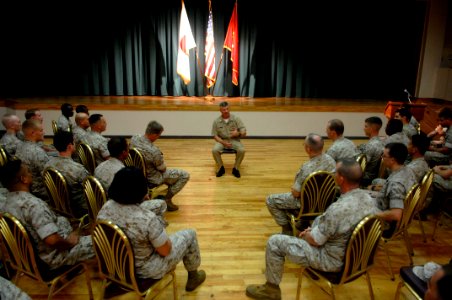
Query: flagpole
[[208, 96], [218, 69]]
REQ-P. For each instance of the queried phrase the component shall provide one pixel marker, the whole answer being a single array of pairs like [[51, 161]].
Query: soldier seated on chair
[[278, 204], [95, 139], [440, 154], [64, 122], [9, 140], [56, 242], [323, 245], [156, 253], [73, 172]]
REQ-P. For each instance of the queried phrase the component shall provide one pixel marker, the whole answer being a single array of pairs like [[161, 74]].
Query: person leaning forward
[[227, 130]]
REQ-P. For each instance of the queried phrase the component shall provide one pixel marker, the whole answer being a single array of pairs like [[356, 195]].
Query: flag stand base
[[209, 98]]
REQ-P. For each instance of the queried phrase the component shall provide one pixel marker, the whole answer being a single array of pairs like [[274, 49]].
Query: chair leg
[[422, 229], [389, 261], [174, 285], [88, 282], [437, 223], [299, 284], [399, 288], [409, 246], [369, 285]]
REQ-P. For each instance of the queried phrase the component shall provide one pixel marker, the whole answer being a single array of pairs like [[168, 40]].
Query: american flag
[[210, 52]]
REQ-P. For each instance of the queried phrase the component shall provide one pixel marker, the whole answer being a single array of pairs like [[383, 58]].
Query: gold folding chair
[[425, 185], [318, 191], [409, 208], [358, 259], [362, 160], [86, 156], [95, 196], [23, 257], [57, 189], [117, 263], [136, 159]]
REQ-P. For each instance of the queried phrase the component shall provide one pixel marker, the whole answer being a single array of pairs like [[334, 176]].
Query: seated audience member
[[81, 108], [277, 204], [73, 172], [9, 140], [56, 242], [9, 291], [394, 133], [95, 140], [440, 189], [31, 153], [119, 150], [342, 147], [64, 121], [157, 172], [323, 246], [441, 153], [227, 130], [439, 283], [393, 192], [404, 115], [156, 253], [81, 127], [416, 148], [373, 149], [413, 120]]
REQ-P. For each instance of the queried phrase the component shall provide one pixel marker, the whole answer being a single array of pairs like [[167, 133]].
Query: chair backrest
[[3, 157], [115, 254], [361, 248], [318, 191], [382, 172], [86, 155], [410, 204], [425, 185], [54, 127], [362, 160], [135, 159], [95, 196], [20, 250], [58, 191]]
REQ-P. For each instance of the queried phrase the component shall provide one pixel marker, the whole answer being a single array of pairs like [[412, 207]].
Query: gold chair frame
[[54, 127], [117, 263], [136, 159], [358, 258], [425, 185], [95, 195], [362, 160], [402, 284], [410, 203], [318, 191], [22, 256], [3, 156], [86, 156]]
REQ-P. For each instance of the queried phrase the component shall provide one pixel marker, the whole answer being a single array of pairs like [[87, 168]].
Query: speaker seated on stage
[[441, 153]]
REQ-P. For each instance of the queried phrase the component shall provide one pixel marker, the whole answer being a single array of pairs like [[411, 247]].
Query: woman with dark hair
[[156, 253]]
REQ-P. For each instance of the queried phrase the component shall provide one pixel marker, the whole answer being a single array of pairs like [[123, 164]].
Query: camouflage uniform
[[331, 231], [64, 123], [373, 149], [41, 222], [441, 183], [3, 194], [439, 192], [155, 164], [440, 158], [9, 291], [342, 148], [419, 167], [398, 137], [277, 204], [74, 173], [223, 130], [36, 158], [409, 130], [395, 189], [10, 142], [146, 232], [99, 145], [106, 171], [79, 133]]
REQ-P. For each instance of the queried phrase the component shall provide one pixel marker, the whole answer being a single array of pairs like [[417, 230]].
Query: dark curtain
[[319, 49]]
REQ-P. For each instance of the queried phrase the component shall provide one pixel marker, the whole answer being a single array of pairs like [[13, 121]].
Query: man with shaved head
[[323, 245], [81, 127], [277, 204], [9, 140]]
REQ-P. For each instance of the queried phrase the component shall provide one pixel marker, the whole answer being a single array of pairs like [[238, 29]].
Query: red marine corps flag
[[186, 42], [231, 42], [210, 52]]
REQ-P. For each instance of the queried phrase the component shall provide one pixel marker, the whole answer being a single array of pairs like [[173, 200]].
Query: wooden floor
[[233, 225]]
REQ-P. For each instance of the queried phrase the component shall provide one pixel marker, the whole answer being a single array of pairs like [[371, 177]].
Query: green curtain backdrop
[[320, 49]]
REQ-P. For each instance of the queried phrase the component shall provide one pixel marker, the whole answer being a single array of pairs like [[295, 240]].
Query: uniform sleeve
[[396, 194], [42, 219], [156, 234], [325, 226]]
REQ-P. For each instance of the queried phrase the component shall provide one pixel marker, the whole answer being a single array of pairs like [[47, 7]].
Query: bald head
[[82, 120], [350, 170], [314, 142], [11, 122]]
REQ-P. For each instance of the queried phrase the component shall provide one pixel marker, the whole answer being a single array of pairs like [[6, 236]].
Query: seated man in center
[[157, 172], [277, 204]]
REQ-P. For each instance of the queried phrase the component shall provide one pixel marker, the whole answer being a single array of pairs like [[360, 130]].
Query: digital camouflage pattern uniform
[[419, 167], [99, 145], [155, 164], [277, 204], [373, 150], [41, 222], [106, 171], [64, 123], [398, 137], [331, 231], [10, 142], [342, 148], [9, 291], [146, 232]]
